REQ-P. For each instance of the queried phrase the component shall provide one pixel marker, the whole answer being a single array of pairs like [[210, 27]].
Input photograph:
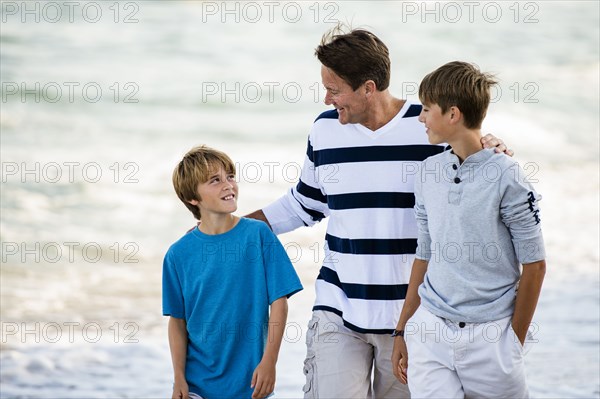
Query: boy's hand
[[490, 141], [263, 379], [180, 390], [400, 359]]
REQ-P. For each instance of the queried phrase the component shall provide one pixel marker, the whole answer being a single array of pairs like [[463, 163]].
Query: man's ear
[[194, 202], [370, 87]]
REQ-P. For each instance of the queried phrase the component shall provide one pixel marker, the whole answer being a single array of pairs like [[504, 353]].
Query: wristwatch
[[398, 333]]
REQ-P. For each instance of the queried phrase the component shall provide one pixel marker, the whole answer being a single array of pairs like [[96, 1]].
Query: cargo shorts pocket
[[310, 363], [311, 335], [310, 388]]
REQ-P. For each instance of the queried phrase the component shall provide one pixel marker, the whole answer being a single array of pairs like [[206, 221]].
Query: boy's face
[[350, 104], [218, 194], [436, 123]]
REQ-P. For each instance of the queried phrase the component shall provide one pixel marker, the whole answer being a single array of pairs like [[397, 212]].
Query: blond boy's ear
[[194, 202]]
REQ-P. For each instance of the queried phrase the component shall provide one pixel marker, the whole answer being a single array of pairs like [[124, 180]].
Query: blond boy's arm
[[263, 378], [178, 338], [530, 287]]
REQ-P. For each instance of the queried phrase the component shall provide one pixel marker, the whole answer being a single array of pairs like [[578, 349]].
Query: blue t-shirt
[[222, 285]]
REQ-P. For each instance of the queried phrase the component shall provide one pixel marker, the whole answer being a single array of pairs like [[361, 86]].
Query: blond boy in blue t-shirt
[[219, 281]]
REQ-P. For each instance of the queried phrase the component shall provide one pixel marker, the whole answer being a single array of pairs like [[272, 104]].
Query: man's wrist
[[398, 333]]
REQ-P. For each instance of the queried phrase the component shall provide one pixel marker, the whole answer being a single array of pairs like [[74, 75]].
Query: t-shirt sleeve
[[423, 237], [520, 213], [172, 293], [280, 275]]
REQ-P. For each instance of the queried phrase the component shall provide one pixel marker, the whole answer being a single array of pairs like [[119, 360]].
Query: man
[[358, 171]]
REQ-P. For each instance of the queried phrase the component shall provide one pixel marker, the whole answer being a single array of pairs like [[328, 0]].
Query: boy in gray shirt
[[468, 305]]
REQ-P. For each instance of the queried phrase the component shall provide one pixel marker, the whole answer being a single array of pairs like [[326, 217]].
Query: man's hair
[[462, 85], [195, 168], [355, 56]]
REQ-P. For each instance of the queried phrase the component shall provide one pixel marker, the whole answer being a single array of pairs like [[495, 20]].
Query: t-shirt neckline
[[215, 237]]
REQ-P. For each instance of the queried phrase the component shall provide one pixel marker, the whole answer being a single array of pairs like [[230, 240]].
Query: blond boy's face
[[218, 195], [436, 123]]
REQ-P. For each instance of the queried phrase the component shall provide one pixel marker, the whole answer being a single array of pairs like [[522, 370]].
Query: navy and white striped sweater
[[363, 181]]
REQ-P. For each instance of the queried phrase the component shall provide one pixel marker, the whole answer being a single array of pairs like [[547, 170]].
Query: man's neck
[[384, 108]]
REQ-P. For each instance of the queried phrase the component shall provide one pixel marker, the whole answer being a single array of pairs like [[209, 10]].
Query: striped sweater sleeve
[[303, 205]]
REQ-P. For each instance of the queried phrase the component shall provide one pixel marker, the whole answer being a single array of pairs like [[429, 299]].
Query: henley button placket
[[455, 192]]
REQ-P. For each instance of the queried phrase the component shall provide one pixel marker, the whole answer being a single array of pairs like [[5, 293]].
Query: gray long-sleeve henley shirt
[[477, 222]]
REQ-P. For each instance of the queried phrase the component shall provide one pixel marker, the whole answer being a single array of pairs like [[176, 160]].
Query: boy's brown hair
[[195, 168], [462, 85], [355, 56]]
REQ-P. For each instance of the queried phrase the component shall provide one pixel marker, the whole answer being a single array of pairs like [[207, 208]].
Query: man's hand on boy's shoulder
[[491, 141], [263, 379], [259, 215]]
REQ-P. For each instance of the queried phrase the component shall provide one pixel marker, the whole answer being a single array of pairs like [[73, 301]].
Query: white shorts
[[463, 360]]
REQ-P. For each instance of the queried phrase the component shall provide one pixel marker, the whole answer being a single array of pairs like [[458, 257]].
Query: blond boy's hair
[[462, 85], [195, 168]]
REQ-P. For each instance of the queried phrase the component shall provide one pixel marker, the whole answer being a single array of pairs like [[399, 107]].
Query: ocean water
[[99, 100]]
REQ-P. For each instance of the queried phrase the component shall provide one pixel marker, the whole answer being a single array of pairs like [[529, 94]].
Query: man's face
[[351, 104]]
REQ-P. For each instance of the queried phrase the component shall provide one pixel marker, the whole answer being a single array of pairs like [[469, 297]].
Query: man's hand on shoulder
[[491, 141], [259, 215]]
